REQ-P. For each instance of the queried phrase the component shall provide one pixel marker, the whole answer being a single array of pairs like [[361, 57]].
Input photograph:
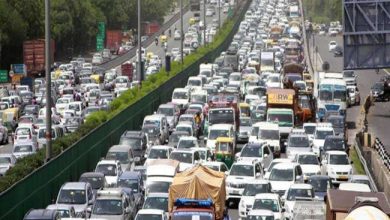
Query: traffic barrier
[[40, 188], [385, 156]]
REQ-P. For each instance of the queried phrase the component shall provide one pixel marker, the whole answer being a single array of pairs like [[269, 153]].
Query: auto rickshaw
[[245, 109], [95, 78], [224, 150], [8, 116], [192, 21], [163, 38], [149, 56]]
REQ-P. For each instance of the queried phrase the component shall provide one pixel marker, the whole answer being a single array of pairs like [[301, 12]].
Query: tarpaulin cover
[[200, 182]]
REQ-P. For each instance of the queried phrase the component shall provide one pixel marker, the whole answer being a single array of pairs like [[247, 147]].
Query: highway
[[379, 116]]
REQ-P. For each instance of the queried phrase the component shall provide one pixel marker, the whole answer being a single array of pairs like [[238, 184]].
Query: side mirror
[[265, 155], [298, 178], [351, 162], [90, 202], [324, 162], [258, 175], [89, 210], [127, 210], [238, 155], [226, 173]]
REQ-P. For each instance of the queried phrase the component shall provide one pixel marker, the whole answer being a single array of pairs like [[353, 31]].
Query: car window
[[223, 168], [266, 150], [257, 167]]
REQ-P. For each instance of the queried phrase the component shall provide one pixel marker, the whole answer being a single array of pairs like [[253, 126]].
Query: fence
[[40, 188], [384, 155]]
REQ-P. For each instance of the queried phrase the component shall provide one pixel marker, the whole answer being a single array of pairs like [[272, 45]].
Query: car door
[[267, 156], [258, 171]]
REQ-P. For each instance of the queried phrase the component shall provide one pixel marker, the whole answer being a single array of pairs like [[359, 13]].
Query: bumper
[[234, 193], [242, 138], [339, 178]]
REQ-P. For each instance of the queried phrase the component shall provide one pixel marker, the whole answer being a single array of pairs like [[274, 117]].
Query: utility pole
[[139, 66], [219, 14], [204, 22], [181, 32], [48, 80]]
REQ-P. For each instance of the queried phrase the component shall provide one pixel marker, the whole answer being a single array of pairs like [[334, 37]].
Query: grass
[[358, 167]]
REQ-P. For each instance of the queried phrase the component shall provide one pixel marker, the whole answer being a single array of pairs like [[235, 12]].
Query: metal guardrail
[[367, 170], [385, 156]]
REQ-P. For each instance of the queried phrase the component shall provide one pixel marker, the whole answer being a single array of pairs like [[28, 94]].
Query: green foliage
[[323, 11]]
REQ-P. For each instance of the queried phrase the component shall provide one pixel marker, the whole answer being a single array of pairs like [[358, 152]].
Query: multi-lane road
[[379, 116]]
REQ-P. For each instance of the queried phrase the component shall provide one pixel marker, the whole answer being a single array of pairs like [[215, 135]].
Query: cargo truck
[[113, 40], [34, 56]]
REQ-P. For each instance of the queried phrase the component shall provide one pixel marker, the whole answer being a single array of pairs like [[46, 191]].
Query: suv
[[239, 175], [253, 188], [256, 151], [111, 170], [297, 142], [133, 183], [112, 203], [123, 154], [322, 131], [138, 142], [187, 158], [76, 194], [283, 175]]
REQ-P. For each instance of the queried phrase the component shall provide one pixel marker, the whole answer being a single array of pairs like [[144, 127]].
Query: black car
[[333, 142], [96, 180], [338, 51], [138, 142], [380, 91]]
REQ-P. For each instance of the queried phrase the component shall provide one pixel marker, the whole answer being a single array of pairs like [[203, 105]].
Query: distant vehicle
[[338, 51], [332, 45], [42, 214], [380, 91], [6, 162]]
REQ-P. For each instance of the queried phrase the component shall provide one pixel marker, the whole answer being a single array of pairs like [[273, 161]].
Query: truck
[[113, 40], [223, 109], [283, 108], [293, 52], [199, 190], [127, 70], [276, 33], [291, 73], [267, 62], [339, 203], [34, 56], [150, 28]]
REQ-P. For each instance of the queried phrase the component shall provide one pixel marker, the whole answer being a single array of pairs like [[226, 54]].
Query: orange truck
[[34, 56]]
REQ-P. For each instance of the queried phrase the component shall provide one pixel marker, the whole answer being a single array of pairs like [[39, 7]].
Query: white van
[[57, 132], [181, 97], [219, 130], [161, 122]]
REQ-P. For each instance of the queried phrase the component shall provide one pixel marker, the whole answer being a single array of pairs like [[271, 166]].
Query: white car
[[181, 97], [309, 164], [283, 175], [6, 162], [271, 202], [357, 187], [256, 152], [97, 59], [187, 142], [297, 142], [239, 175], [111, 170], [322, 131], [261, 214], [176, 35], [310, 128], [293, 193], [187, 158], [337, 166], [332, 45], [155, 214], [216, 165], [252, 188], [157, 152], [275, 161]]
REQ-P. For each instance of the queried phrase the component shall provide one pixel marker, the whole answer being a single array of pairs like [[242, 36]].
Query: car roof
[[161, 147], [165, 195], [359, 177], [122, 148], [74, 185], [130, 175], [267, 196], [301, 186], [334, 137], [284, 165], [92, 174], [221, 126], [243, 162], [105, 161], [212, 163], [336, 152], [151, 211], [40, 214]]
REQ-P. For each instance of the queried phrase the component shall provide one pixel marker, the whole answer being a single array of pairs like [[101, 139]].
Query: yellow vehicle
[[149, 56], [224, 150], [192, 21], [306, 76], [245, 109], [163, 38], [8, 116], [95, 78]]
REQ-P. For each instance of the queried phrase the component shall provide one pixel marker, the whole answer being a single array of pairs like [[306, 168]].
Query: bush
[[28, 164]]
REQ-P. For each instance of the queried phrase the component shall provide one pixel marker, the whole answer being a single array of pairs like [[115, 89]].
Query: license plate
[[343, 177], [236, 192]]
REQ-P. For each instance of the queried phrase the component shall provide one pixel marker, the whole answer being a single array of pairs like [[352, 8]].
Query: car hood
[[260, 159], [318, 143], [281, 185], [308, 168], [238, 179], [180, 101], [289, 205], [340, 168], [107, 217], [111, 180], [247, 200]]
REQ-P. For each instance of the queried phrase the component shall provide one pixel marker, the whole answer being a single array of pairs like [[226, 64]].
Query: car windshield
[[181, 157], [308, 159], [338, 159], [269, 134], [194, 82], [68, 196], [334, 144], [165, 111], [108, 207], [301, 142], [23, 131], [253, 189], [174, 138], [156, 203], [321, 135], [294, 193], [123, 157], [129, 183], [22, 148], [151, 130], [245, 122], [267, 204], [5, 160], [180, 95], [241, 170], [281, 175], [252, 151], [149, 217], [75, 107], [260, 217], [106, 169], [309, 129], [187, 144], [96, 182], [286, 119], [42, 132], [214, 134], [158, 187], [378, 86], [135, 143], [158, 154], [319, 185], [337, 122]]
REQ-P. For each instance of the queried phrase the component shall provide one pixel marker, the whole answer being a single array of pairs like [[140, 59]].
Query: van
[[57, 132], [157, 181], [161, 122], [25, 132]]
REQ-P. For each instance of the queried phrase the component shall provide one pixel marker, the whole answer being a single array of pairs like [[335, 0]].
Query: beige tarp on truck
[[199, 182]]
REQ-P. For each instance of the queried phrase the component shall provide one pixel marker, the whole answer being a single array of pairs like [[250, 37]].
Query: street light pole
[[48, 80], [139, 69], [219, 14], [181, 32], [204, 22]]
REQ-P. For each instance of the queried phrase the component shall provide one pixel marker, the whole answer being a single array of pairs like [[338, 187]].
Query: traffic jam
[[251, 136]]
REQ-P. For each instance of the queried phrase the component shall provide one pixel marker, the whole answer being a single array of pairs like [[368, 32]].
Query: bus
[[332, 97], [194, 5]]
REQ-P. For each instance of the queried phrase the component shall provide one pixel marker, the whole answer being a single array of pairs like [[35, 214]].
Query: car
[[239, 174], [275, 161], [187, 158], [96, 180], [338, 51], [156, 201], [283, 175], [252, 188], [42, 214], [360, 179], [244, 129], [26, 133], [321, 184], [138, 142], [357, 187], [158, 152], [309, 128], [270, 202], [380, 91], [132, 182], [297, 142], [309, 163], [78, 195], [187, 142], [112, 203], [333, 142], [332, 45], [337, 166], [354, 95], [176, 35], [155, 214], [260, 214], [111, 170], [295, 192], [175, 137], [64, 210], [6, 162], [322, 131], [350, 77], [97, 59], [122, 153], [24, 148], [171, 111], [256, 151], [216, 165]]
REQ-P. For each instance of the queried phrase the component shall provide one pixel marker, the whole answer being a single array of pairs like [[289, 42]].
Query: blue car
[[132, 183]]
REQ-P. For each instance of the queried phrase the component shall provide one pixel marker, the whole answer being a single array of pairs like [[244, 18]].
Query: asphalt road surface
[[379, 116]]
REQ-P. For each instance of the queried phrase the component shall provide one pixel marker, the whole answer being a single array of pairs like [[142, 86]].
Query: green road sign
[[3, 76], [230, 12], [102, 29], [99, 43]]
